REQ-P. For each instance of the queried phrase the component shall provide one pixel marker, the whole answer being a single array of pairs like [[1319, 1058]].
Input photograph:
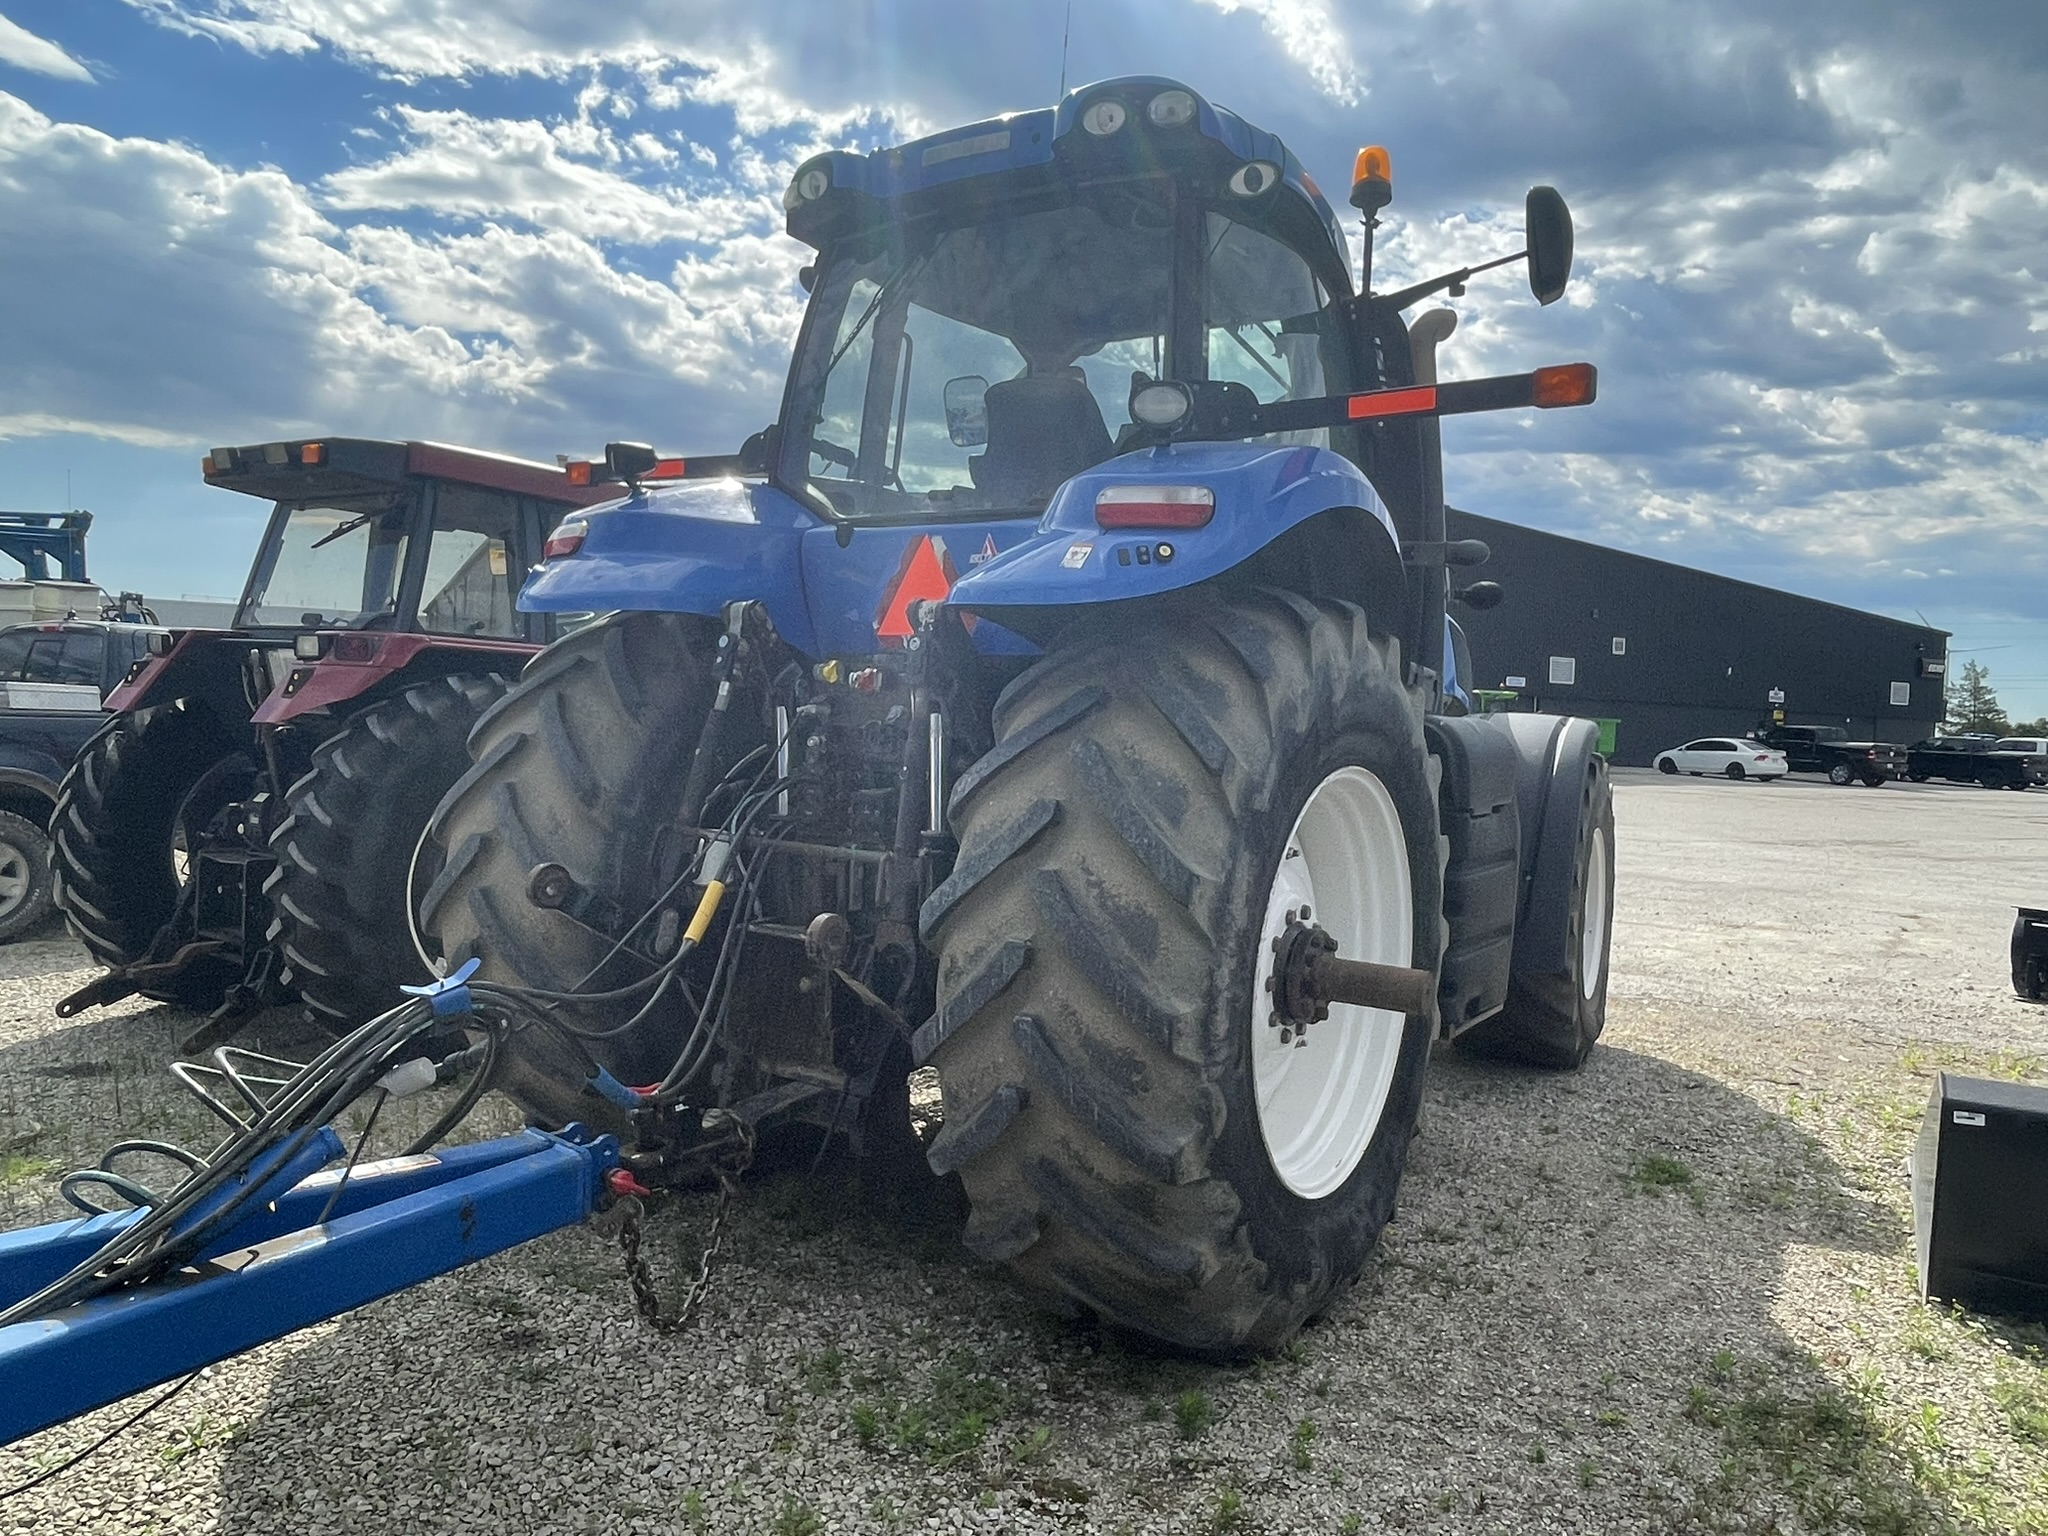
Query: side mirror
[[1480, 596], [1549, 227], [629, 463], [967, 411]]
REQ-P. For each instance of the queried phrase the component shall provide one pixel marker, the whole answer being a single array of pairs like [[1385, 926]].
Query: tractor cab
[[988, 303]]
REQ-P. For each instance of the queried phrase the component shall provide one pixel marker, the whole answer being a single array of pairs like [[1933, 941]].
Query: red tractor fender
[[200, 663], [358, 662]]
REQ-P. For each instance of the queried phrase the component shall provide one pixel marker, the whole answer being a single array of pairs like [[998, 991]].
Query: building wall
[[1701, 653]]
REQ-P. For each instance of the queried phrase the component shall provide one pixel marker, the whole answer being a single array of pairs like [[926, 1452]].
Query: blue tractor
[[1060, 695]]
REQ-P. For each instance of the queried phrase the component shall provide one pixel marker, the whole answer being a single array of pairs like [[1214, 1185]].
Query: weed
[[203, 1432], [821, 1371], [1351, 1524], [1229, 1510], [1655, 1171], [1589, 1475], [1537, 1455], [2025, 1407], [797, 1518], [867, 1423], [20, 1167], [1610, 1418], [695, 1514], [1192, 1413], [1303, 1443], [1297, 1350], [1446, 1501], [1031, 1448], [1722, 1366]]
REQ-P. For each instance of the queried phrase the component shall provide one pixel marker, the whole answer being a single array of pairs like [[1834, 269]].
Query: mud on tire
[[1098, 942], [346, 845], [119, 812]]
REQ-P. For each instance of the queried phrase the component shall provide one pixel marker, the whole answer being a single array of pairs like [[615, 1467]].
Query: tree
[[2030, 727], [1972, 705]]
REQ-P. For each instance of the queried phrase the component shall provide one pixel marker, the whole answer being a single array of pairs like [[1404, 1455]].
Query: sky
[[1812, 255]]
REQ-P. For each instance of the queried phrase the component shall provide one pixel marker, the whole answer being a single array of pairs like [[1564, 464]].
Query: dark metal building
[[1670, 654]]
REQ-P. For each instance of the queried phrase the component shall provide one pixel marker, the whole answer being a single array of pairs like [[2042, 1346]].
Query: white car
[[1725, 755]]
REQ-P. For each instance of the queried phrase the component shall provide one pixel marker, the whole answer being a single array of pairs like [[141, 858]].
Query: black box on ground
[[2030, 954], [1980, 1196]]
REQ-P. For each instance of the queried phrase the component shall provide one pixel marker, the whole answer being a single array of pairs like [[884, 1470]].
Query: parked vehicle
[[54, 676], [1154, 626], [1827, 749], [2032, 746], [241, 831], [1724, 755], [1974, 760]]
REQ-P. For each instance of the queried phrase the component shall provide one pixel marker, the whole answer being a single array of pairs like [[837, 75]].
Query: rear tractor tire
[[146, 785], [1136, 1134], [346, 847], [581, 764]]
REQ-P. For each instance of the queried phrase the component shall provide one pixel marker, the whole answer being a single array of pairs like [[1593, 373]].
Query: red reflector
[[1154, 506], [1567, 384], [349, 646], [1393, 402], [578, 471], [312, 453], [565, 540], [668, 469]]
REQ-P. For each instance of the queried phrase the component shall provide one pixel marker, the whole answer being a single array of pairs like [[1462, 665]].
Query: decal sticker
[[986, 553], [1076, 556], [926, 575]]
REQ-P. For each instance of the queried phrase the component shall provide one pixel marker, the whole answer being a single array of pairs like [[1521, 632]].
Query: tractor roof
[[337, 468], [841, 193]]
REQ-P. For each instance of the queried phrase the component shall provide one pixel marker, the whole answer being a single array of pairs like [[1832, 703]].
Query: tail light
[[565, 540], [1763, 757], [352, 646], [1154, 506]]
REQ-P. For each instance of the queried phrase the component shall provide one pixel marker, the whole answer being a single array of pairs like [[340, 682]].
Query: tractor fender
[[201, 664], [1262, 493], [385, 664], [1554, 754], [687, 548]]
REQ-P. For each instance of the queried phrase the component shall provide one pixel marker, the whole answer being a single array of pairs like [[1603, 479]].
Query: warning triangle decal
[[926, 575]]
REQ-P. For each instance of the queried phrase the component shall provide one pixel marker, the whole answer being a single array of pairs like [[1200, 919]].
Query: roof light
[[276, 453], [1154, 506], [312, 453], [1171, 109], [1161, 405], [1372, 180], [578, 471], [222, 460], [810, 183], [1566, 384], [566, 539], [1105, 117], [1255, 179]]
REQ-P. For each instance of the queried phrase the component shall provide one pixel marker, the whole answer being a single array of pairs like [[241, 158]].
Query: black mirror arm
[[1402, 298]]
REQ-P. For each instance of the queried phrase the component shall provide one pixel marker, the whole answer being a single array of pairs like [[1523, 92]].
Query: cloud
[[24, 50], [1308, 33]]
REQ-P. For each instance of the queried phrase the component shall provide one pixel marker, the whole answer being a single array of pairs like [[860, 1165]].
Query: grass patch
[[1302, 1445], [1655, 1171], [1193, 1414], [2023, 1402], [949, 1419], [21, 1167]]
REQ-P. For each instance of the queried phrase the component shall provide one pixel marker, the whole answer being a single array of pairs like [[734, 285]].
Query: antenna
[[1066, 36]]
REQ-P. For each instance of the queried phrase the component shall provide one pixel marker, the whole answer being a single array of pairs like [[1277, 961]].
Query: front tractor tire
[[1135, 1137], [141, 791], [345, 848]]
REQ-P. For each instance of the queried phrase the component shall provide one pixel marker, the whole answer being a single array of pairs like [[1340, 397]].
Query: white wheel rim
[[1320, 1100], [1593, 919], [14, 878]]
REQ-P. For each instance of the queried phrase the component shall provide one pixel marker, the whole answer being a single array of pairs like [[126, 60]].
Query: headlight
[[1105, 117], [812, 183], [1170, 109], [1255, 179], [1161, 405]]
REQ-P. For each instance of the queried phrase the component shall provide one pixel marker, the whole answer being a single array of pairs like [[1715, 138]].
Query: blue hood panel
[[1261, 491]]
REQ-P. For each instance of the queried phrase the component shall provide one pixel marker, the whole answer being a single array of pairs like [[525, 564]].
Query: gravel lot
[[1670, 1293]]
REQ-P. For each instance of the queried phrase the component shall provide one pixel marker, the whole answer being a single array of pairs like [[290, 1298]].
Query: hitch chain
[[646, 1297]]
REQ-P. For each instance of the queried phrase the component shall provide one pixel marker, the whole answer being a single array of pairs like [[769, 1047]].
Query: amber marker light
[[578, 471], [312, 453], [1566, 384]]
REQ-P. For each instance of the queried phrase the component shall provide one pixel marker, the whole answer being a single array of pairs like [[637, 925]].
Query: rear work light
[[309, 647], [565, 540], [1154, 506]]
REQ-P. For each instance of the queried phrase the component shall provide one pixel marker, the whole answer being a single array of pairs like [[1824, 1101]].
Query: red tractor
[[243, 828]]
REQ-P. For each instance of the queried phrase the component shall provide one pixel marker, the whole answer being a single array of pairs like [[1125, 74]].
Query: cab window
[[469, 586]]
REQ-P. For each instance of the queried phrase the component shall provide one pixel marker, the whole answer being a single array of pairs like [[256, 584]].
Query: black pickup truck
[[1827, 749], [1974, 760], [37, 742]]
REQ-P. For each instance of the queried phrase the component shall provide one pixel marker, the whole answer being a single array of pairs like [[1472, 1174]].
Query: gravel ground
[[1672, 1292]]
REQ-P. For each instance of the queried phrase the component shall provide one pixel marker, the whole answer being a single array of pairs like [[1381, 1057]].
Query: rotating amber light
[[1566, 384], [1372, 161]]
